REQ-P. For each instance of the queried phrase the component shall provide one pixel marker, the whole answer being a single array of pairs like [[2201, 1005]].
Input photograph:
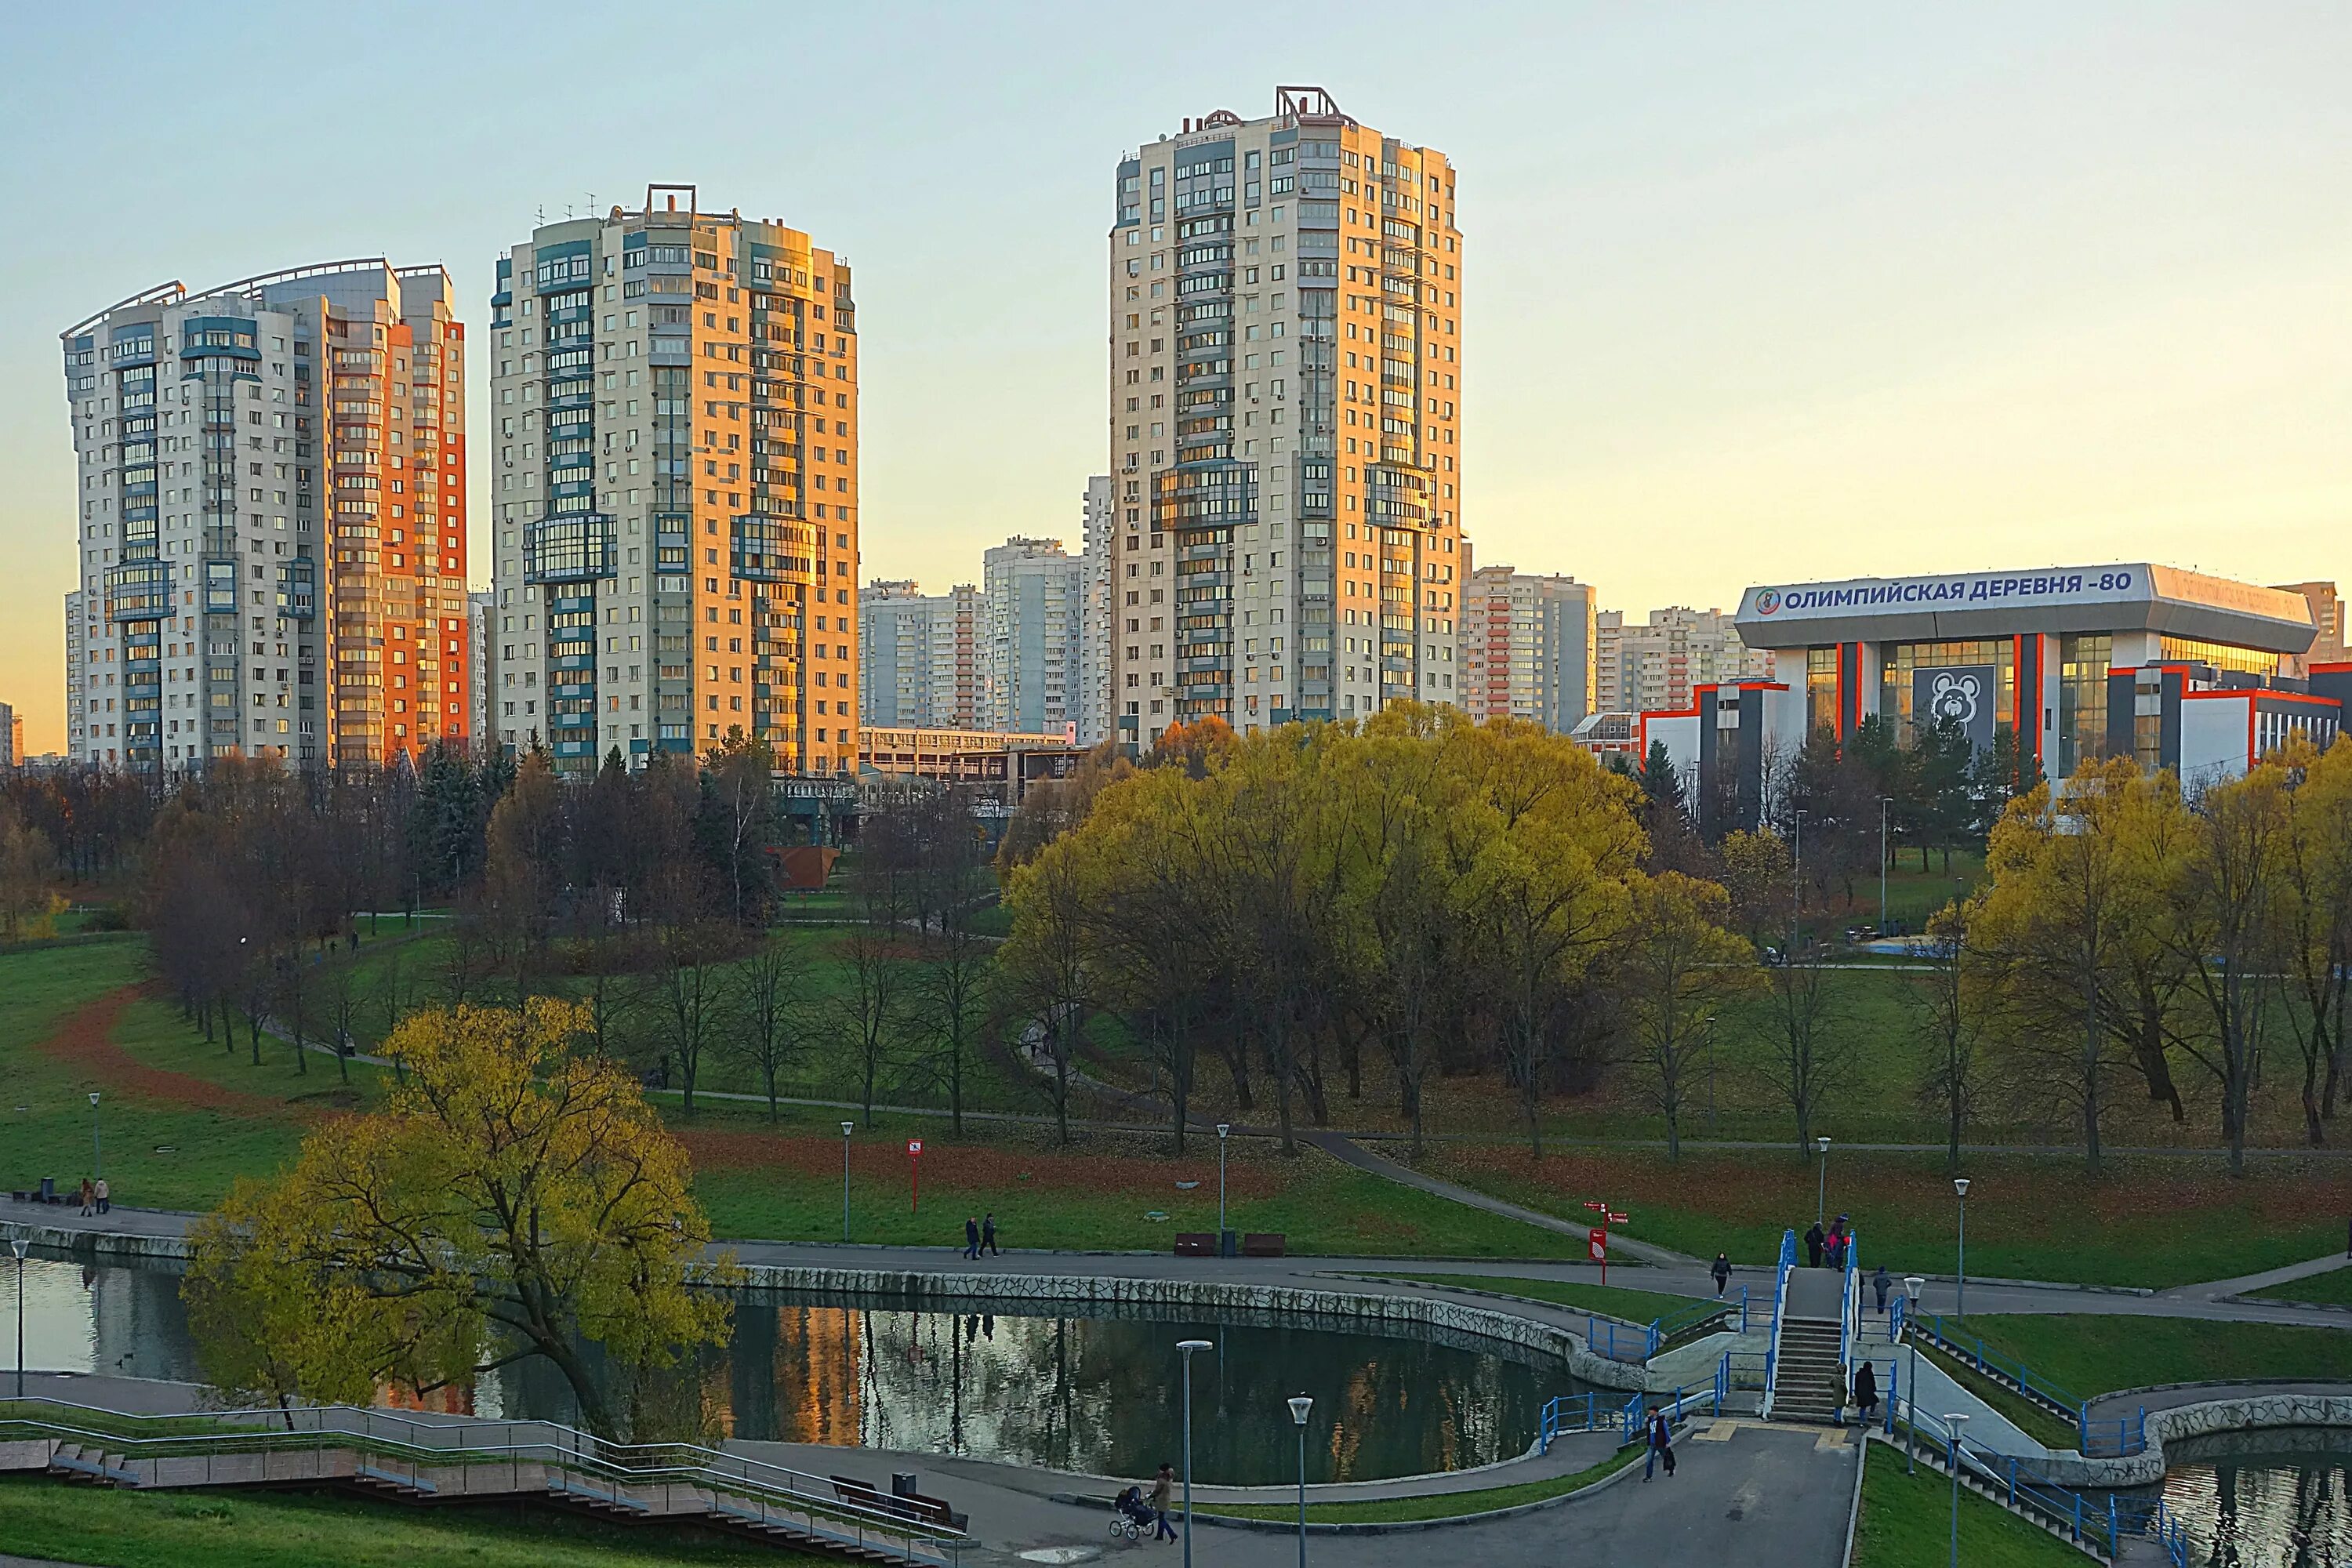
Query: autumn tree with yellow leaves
[[513, 1199]]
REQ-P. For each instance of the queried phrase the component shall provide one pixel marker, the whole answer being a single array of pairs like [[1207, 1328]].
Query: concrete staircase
[[1807, 1385]]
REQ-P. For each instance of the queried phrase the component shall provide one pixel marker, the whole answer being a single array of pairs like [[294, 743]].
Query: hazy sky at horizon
[[1751, 294]]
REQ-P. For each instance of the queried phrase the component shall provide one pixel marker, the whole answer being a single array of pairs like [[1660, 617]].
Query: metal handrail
[[1779, 1301], [463, 1443], [2121, 1437], [2098, 1525]]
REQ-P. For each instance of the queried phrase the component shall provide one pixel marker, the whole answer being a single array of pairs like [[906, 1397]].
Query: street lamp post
[[1186, 1348], [97, 1161], [1710, 1076], [1884, 801], [1960, 1305], [1957, 1420], [1911, 1283], [1822, 1191], [1224, 1132], [1299, 1406], [846, 1129], [16, 1246], [1796, 885]]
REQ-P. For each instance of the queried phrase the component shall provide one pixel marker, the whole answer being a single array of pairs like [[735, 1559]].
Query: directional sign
[[1596, 1245]]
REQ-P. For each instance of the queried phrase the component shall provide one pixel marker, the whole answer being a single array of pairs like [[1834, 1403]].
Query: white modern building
[[1285, 364]]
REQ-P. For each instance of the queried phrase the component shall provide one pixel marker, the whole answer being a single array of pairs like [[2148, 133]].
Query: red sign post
[[1596, 1239], [914, 1176]]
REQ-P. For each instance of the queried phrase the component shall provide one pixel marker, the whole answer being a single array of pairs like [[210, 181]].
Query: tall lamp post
[[1884, 801], [1224, 1131], [1911, 1283], [1186, 1348], [1796, 883], [846, 1129], [1957, 1420], [1710, 1076], [97, 1162], [1960, 1306], [16, 1246], [1299, 1406], [1822, 1191]]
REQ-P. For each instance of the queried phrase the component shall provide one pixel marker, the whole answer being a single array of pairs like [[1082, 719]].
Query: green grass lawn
[[2065, 1436], [43, 1518], [1609, 1300], [2151, 1222], [2333, 1288], [1443, 1505], [1907, 1522], [2092, 1355]]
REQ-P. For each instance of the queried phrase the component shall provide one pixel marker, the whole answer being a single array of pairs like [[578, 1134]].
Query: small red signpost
[[1596, 1239], [915, 1175]]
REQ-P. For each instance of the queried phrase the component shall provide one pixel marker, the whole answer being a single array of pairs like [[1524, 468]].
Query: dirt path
[[84, 1041]]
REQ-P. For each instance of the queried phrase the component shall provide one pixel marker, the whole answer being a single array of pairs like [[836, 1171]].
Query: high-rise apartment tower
[[1284, 387], [1527, 644], [674, 416], [271, 487]]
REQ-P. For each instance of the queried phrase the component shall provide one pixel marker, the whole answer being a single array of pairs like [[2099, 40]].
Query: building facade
[[1035, 595], [1099, 530], [481, 617], [1285, 358], [920, 655], [1660, 662], [1528, 645], [271, 488], [77, 664], [12, 737], [2175, 668], [674, 406]]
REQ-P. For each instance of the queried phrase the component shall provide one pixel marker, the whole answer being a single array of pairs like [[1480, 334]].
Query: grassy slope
[[1443, 1505], [42, 1517], [2333, 1288], [2093, 1356], [1907, 1522]]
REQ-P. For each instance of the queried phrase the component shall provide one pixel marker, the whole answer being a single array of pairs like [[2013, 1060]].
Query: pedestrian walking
[[1838, 1239], [1660, 1444], [89, 1199], [104, 1203], [1813, 1240], [988, 1237], [1865, 1392], [971, 1236], [1881, 1282], [1722, 1272], [1163, 1489]]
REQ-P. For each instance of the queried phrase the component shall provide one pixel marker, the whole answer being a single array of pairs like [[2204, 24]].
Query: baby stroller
[[1130, 1515]]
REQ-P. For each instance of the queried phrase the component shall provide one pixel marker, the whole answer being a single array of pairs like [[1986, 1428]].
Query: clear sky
[[1752, 293]]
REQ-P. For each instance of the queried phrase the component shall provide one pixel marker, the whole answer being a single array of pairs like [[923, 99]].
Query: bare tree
[[867, 1015], [1953, 1013], [770, 988], [691, 996], [1806, 1045]]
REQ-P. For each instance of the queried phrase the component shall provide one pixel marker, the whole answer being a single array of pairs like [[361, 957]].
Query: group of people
[[94, 1198], [1828, 1247], [979, 1235]]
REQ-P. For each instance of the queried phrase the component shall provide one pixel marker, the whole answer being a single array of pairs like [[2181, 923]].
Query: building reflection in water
[[2287, 1511]]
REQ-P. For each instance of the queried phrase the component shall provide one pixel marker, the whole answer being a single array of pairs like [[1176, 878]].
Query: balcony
[[139, 591], [574, 549]]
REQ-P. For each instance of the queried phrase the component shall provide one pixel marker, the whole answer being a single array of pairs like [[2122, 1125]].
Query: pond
[[2264, 1500], [1092, 1389]]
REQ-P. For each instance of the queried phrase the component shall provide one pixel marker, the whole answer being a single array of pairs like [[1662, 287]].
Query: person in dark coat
[[1865, 1392], [1881, 1282], [971, 1236], [1659, 1440], [988, 1237], [1813, 1240], [1722, 1272]]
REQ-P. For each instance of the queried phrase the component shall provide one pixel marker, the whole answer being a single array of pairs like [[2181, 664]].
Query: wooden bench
[[1196, 1244], [921, 1510], [1262, 1244]]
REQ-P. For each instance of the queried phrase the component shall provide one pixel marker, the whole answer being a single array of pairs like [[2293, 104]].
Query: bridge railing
[[2117, 1439], [760, 1492], [2100, 1522], [1780, 1302]]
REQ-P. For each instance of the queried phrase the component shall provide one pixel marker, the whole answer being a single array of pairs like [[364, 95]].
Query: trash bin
[[902, 1484], [48, 1189], [1229, 1243]]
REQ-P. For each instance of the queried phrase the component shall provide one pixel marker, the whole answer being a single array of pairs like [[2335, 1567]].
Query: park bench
[[1196, 1244], [1262, 1244], [921, 1510]]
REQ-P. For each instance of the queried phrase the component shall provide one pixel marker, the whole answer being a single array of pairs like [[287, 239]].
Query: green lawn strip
[[2147, 1221], [1907, 1522], [33, 1412], [2065, 1436], [218, 1528], [2333, 1288], [1638, 1307], [2093, 1355], [1096, 1197], [1437, 1505]]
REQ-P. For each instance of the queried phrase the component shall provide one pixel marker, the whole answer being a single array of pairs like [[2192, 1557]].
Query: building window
[[2081, 699], [1820, 690]]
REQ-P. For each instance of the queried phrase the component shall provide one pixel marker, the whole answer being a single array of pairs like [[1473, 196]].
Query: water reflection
[[2283, 1507], [1092, 1390]]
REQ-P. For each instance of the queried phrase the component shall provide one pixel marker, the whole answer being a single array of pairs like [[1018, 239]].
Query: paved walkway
[[2221, 1290]]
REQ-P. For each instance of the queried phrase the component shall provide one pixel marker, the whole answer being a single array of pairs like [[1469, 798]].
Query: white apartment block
[[271, 498], [920, 663], [1035, 596], [1285, 345], [1099, 528], [1655, 667], [1529, 647]]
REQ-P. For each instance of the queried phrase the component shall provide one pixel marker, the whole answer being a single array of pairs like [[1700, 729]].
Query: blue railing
[[1779, 1301], [2100, 1439], [1595, 1411], [1635, 1342], [1849, 1306], [2100, 1525], [2152, 1518]]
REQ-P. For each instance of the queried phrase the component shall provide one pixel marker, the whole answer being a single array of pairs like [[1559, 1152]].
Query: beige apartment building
[[673, 413], [1652, 667], [1528, 648], [1286, 440]]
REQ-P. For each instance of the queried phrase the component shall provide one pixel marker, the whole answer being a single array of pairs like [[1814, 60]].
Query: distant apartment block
[[481, 615], [1284, 311], [271, 483], [674, 412], [1100, 532], [1033, 596], [1528, 648], [921, 655], [1647, 667], [12, 737]]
